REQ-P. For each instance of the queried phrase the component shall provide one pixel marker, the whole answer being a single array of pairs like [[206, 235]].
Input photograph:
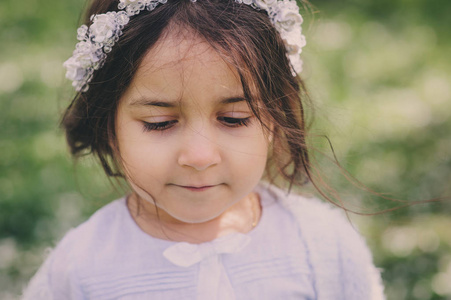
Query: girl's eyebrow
[[151, 102], [234, 99], [160, 103]]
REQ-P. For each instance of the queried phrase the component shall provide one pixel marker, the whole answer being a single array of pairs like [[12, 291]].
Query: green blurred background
[[379, 73]]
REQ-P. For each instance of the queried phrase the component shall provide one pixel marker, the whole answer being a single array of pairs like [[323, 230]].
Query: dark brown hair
[[243, 36]]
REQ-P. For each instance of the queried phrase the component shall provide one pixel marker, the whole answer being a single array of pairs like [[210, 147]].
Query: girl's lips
[[197, 188]]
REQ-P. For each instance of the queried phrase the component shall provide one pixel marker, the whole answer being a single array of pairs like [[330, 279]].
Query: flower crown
[[97, 40]]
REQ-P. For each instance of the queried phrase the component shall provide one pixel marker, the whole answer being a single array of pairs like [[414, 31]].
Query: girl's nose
[[199, 150]]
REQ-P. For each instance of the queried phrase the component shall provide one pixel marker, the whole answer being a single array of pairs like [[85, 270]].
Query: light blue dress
[[110, 257]]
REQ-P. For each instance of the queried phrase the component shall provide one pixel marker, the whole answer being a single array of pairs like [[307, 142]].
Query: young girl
[[193, 103]]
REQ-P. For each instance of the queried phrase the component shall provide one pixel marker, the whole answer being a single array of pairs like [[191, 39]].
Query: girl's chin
[[183, 218]]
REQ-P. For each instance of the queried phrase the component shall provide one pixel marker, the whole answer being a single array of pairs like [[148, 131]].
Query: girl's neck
[[241, 217]]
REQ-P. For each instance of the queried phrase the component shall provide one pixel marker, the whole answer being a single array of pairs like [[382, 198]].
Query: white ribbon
[[213, 282]]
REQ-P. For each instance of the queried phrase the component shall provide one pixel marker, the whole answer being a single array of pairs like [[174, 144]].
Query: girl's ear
[[271, 135], [270, 132]]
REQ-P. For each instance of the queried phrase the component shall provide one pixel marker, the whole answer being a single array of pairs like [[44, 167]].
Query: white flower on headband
[[134, 7], [128, 2], [95, 42], [98, 39], [286, 18], [286, 15], [86, 57], [103, 28], [294, 40], [264, 4], [75, 70]]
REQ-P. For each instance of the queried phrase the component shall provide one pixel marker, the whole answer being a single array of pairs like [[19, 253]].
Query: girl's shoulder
[[312, 213], [336, 249], [77, 250], [96, 230]]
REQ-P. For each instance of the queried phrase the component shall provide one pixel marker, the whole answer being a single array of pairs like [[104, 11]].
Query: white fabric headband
[[98, 39]]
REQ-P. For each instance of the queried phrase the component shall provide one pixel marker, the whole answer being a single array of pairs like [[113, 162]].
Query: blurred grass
[[379, 73]]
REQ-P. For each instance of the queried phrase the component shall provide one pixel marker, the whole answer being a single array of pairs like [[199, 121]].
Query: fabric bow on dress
[[213, 282]]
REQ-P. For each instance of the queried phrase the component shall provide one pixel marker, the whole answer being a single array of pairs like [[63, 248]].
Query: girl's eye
[[160, 126], [235, 122]]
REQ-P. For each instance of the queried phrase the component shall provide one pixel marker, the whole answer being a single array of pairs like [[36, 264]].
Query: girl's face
[[187, 139]]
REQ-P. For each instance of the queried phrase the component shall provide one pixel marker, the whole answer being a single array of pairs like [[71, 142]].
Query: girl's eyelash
[[228, 121], [235, 122], [159, 126]]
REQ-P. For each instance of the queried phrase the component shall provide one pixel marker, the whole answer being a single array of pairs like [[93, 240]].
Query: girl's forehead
[[184, 66], [180, 49]]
